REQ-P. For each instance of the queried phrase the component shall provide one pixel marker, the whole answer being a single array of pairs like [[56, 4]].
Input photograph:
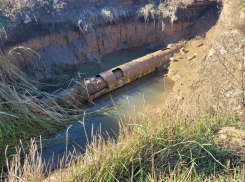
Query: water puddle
[[149, 91]]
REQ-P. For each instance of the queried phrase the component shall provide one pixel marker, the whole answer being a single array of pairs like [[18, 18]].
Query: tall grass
[[24, 112], [153, 147]]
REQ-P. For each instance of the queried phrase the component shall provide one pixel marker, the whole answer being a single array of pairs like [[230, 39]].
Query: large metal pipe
[[128, 72], [116, 77]]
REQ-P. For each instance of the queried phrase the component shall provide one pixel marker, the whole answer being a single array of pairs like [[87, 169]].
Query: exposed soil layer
[[186, 64], [59, 45], [209, 76]]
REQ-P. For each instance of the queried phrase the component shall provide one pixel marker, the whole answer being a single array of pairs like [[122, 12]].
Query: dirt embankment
[[64, 52], [209, 76], [61, 45]]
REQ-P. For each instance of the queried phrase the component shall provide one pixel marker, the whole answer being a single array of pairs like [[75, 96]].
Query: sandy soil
[[185, 66], [185, 70]]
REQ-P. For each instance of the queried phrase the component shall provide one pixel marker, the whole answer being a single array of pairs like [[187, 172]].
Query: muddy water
[[108, 61], [148, 91], [112, 60]]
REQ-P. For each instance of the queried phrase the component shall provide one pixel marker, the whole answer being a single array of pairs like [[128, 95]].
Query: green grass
[[157, 149], [154, 147], [24, 114], [3, 21], [151, 149]]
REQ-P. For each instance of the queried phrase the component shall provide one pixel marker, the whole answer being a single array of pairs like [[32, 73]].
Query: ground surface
[[232, 139], [185, 66], [189, 75]]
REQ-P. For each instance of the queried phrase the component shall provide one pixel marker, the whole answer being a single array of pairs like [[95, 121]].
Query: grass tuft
[[94, 17], [24, 112]]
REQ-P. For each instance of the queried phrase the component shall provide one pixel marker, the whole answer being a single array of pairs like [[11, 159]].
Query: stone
[[228, 92], [180, 98]]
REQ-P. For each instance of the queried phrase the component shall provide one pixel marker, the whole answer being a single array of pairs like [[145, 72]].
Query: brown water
[[146, 92], [108, 61]]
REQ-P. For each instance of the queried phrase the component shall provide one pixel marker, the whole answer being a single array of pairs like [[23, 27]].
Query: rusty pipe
[[128, 72], [114, 78]]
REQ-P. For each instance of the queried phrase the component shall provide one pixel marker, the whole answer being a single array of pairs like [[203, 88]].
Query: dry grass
[[155, 146], [93, 17], [24, 114], [163, 10]]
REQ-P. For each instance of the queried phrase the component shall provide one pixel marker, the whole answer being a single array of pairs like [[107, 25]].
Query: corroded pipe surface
[[116, 77], [128, 72]]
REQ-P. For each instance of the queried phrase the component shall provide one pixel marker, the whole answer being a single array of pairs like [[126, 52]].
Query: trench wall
[[60, 46]]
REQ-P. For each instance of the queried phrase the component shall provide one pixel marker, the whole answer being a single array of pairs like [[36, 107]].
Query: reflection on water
[[147, 91]]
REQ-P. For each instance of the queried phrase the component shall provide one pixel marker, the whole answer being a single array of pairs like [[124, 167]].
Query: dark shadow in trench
[[198, 29]]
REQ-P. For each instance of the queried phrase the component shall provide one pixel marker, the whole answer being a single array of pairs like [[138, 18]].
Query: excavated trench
[[104, 114], [60, 48], [149, 90], [64, 57]]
